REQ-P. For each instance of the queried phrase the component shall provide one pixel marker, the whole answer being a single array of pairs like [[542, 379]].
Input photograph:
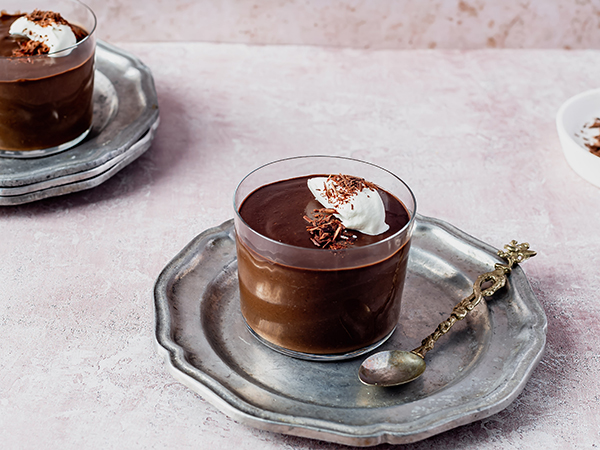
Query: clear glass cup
[[46, 101], [314, 303]]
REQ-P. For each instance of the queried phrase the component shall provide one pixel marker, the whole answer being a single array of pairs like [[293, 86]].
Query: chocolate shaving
[[340, 188], [30, 48], [44, 19], [326, 230], [594, 146], [47, 18]]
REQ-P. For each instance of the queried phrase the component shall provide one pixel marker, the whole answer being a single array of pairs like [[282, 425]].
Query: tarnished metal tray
[[125, 119], [475, 371]]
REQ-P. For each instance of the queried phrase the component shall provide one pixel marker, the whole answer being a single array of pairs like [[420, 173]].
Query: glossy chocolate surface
[[44, 101], [318, 311], [276, 211]]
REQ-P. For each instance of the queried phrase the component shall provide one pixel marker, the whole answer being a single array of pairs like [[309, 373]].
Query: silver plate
[[473, 372], [125, 114], [82, 180]]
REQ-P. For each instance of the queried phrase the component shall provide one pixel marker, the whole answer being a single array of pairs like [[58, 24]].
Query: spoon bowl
[[391, 368]]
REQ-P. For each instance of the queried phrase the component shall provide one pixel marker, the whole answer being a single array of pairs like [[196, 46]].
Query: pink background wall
[[393, 24]]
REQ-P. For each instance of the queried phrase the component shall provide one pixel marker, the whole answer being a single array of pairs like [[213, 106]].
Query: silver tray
[[81, 180], [125, 119], [474, 372]]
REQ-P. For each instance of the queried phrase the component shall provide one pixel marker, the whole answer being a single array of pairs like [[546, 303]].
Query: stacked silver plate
[[473, 372], [125, 121]]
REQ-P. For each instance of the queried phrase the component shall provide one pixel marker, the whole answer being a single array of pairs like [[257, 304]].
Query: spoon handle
[[513, 253]]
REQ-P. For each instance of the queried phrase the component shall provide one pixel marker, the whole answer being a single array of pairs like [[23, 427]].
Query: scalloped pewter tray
[[126, 116], [474, 372]]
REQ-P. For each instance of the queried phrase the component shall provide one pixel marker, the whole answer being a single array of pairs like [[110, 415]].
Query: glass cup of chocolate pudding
[[310, 286], [46, 90]]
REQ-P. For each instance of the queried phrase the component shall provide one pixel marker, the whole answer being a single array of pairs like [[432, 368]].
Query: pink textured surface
[[392, 24], [472, 133]]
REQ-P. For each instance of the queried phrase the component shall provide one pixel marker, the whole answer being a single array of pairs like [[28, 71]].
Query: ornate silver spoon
[[394, 367]]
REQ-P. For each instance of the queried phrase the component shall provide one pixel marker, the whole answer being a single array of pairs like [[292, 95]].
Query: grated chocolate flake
[[31, 48], [340, 188], [593, 144], [44, 19], [49, 18], [326, 230]]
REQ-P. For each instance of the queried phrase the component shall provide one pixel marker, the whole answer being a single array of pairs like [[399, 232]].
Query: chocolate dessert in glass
[[46, 76], [322, 249]]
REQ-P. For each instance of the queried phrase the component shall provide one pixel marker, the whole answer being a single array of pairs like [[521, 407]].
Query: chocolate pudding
[[311, 299], [45, 97]]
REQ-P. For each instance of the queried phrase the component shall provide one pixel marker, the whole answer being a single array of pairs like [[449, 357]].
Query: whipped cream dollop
[[357, 204], [56, 36]]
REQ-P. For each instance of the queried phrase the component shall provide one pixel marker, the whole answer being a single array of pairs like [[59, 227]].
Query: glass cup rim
[[407, 227], [68, 49]]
